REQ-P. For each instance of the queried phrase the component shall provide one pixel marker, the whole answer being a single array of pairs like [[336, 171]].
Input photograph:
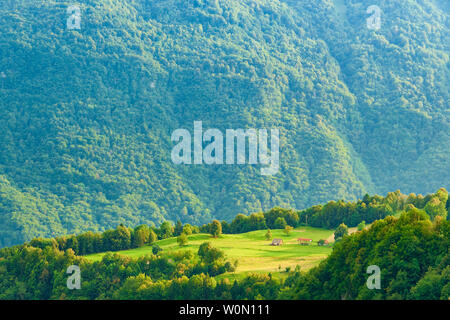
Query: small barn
[[304, 241], [277, 242]]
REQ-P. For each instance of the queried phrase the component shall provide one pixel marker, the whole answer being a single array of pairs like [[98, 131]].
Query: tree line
[[412, 252], [330, 216]]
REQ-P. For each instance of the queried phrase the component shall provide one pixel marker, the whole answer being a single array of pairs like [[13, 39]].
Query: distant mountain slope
[[86, 115]]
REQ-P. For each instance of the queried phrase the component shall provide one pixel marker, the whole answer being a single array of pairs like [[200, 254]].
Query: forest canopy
[[86, 114], [411, 250]]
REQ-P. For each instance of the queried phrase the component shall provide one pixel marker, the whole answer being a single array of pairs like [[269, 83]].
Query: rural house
[[277, 242], [304, 241]]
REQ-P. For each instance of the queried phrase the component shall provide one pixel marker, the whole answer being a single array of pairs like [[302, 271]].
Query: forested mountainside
[[86, 115], [329, 216]]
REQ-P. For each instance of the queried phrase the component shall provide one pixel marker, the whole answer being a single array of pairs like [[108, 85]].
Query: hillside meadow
[[411, 250], [252, 251]]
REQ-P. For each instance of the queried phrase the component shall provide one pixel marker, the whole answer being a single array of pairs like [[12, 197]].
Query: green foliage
[[436, 206], [178, 228], [166, 230], [370, 209], [410, 251], [288, 229], [272, 216], [152, 237], [187, 229], [203, 249], [86, 115], [361, 226], [35, 273], [156, 249], [118, 239], [182, 239], [141, 236], [435, 284], [209, 254], [340, 232], [216, 228], [280, 223]]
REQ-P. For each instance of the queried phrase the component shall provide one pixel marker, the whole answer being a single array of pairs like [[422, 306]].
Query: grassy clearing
[[253, 252]]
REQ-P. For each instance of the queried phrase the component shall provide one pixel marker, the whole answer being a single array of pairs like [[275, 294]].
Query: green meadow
[[253, 252]]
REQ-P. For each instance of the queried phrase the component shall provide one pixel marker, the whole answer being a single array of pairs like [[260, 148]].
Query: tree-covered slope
[[86, 115], [411, 252]]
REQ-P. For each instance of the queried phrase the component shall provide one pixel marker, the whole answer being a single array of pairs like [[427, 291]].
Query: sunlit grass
[[252, 251]]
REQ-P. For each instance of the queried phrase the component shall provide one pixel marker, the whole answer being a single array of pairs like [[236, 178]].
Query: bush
[[156, 249], [288, 229], [361, 225], [341, 231], [182, 239]]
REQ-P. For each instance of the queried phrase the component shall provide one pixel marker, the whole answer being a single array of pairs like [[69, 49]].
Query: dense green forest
[[412, 251], [328, 216], [86, 115]]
